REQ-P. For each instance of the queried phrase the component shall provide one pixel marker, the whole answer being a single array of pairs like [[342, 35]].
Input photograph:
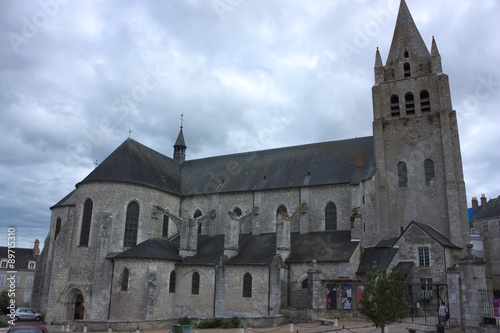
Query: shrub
[[234, 322], [185, 321]]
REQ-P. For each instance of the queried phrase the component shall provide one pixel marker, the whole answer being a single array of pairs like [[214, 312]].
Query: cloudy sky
[[76, 76]]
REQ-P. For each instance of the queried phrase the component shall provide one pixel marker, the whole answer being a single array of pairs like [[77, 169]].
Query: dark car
[[5, 310], [27, 314], [27, 329]]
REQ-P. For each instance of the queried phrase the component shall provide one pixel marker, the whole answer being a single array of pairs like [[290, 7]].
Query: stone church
[[268, 234]]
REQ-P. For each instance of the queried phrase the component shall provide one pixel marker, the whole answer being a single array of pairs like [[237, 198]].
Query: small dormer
[[31, 265]]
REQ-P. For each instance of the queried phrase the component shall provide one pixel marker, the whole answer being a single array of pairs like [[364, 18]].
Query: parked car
[[27, 314], [27, 329], [5, 311]]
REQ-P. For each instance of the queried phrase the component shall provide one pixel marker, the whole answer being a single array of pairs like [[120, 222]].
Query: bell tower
[[417, 151], [180, 145]]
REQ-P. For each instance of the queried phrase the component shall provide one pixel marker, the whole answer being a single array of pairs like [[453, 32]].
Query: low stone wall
[[167, 324]]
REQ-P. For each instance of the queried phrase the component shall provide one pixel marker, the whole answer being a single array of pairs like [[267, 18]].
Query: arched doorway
[[79, 307]]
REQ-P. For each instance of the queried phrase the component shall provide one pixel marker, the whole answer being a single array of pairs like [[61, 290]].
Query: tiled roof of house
[[492, 210], [22, 256]]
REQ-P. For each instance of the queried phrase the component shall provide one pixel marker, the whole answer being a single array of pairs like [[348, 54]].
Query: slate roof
[[180, 140], [405, 266], [335, 162], [327, 163], [23, 256], [69, 200], [210, 250], [436, 235], [382, 255], [153, 248], [322, 246], [135, 163], [492, 210], [256, 250]]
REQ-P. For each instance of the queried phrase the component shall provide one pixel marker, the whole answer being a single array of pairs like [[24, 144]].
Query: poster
[[496, 306], [360, 288], [331, 296], [346, 296]]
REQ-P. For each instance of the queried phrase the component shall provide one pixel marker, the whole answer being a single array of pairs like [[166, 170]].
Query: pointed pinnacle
[[378, 59], [434, 48]]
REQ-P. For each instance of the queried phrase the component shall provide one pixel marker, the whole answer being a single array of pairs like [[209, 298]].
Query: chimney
[[36, 248], [475, 207], [483, 201]]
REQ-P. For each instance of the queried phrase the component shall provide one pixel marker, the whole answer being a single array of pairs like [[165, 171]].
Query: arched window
[[331, 217], [395, 106], [247, 285], [237, 211], [305, 283], [131, 224], [402, 174], [58, 227], [281, 210], [171, 285], [406, 69], [86, 221], [406, 54], [425, 103], [197, 214], [124, 280], [195, 284], [409, 104], [164, 231], [430, 178]]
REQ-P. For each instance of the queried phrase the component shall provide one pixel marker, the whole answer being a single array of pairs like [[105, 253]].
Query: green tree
[[4, 299], [383, 298]]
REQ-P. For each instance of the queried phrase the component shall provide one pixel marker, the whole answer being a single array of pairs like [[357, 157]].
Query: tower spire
[[180, 145], [406, 40]]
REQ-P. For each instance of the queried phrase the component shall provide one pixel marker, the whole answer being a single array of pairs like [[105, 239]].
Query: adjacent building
[[25, 261]]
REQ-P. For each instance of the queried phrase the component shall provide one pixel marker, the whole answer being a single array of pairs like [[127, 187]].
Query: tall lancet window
[[331, 216], [195, 284], [425, 103], [131, 224], [281, 210], [395, 106], [196, 215], [402, 174], [407, 69], [86, 222], [430, 178], [409, 104]]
